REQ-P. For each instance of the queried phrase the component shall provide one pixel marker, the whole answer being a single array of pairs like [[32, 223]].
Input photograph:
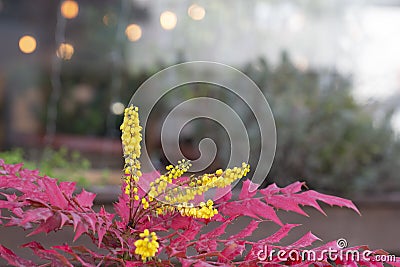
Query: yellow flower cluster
[[204, 211], [131, 138], [174, 196], [199, 185], [147, 246], [173, 172]]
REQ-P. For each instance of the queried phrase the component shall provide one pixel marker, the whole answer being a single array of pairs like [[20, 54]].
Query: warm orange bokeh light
[[133, 32], [65, 51], [69, 9], [168, 20], [196, 12], [27, 44]]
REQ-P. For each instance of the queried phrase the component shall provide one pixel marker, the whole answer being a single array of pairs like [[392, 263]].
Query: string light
[[69, 9], [168, 20], [27, 44], [196, 12], [133, 32]]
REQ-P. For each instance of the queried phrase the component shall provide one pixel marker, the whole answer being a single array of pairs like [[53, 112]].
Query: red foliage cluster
[[40, 204]]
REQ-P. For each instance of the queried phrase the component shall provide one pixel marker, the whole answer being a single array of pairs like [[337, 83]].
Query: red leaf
[[181, 222], [90, 219], [220, 230], [81, 229], [252, 207], [264, 210], [13, 259], [305, 241], [56, 258], [248, 231], [100, 233], [270, 190], [310, 195], [85, 199], [204, 264], [75, 219], [64, 219], [187, 262], [287, 203], [133, 263], [292, 188], [245, 193], [52, 223], [35, 215], [278, 235], [56, 197], [122, 208], [68, 188], [68, 250], [233, 249]]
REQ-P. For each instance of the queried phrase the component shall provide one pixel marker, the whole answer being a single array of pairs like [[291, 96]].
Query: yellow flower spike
[[131, 137]]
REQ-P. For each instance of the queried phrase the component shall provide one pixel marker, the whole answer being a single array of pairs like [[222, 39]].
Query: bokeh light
[[168, 20], [117, 108], [133, 32], [27, 44], [69, 9], [196, 12], [65, 51], [109, 19]]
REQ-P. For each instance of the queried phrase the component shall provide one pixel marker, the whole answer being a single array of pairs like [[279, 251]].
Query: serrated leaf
[[80, 229], [305, 241], [310, 195], [52, 223], [233, 249], [56, 258], [67, 187], [13, 259], [247, 231], [55, 196], [245, 193], [85, 199]]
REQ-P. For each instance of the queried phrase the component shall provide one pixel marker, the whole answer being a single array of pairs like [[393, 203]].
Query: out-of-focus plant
[[67, 165], [325, 136], [160, 220]]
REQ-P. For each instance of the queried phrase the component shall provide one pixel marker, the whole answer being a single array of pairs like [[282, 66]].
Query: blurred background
[[330, 70]]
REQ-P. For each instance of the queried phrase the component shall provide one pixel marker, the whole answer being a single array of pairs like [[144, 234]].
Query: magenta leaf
[[55, 196], [67, 188], [305, 241], [56, 258], [41, 204], [245, 193], [248, 231], [13, 259], [85, 199], [50, 224], [80, 229], [310, 195], [233, 249]]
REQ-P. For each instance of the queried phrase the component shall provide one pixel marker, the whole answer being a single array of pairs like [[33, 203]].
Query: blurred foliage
[[86, 99], [63, 164], [324, 136]]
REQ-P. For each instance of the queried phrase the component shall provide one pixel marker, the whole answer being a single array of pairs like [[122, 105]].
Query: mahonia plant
[[162, 219]]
